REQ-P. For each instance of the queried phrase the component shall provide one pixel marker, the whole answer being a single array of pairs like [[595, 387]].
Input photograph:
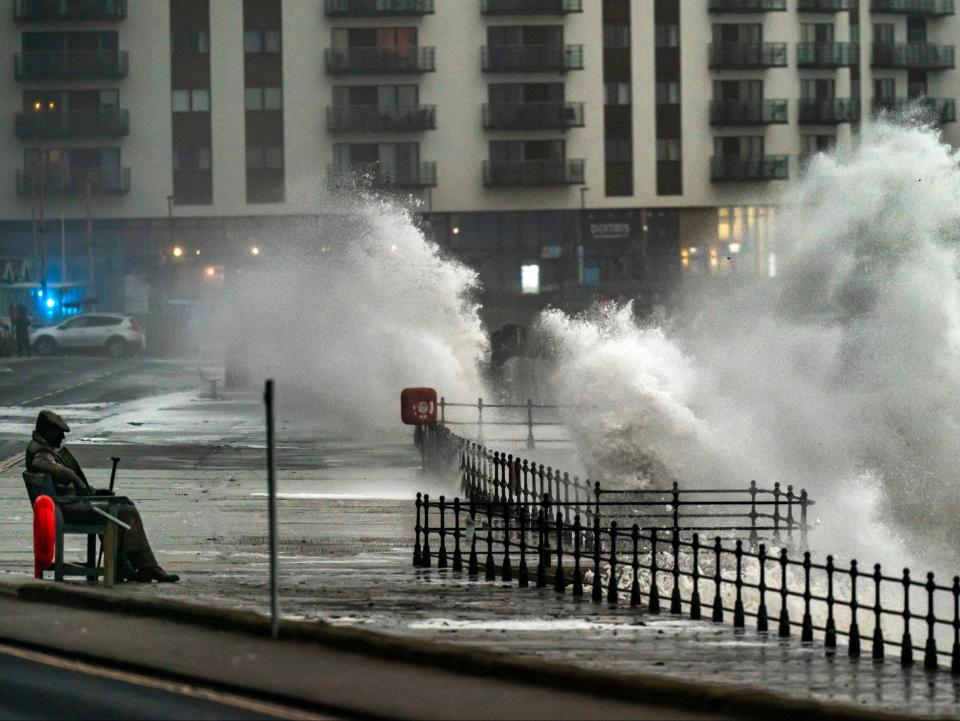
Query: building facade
[[564, 148]]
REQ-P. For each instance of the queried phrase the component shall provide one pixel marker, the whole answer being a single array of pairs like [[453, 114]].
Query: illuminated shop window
[[530, 279]]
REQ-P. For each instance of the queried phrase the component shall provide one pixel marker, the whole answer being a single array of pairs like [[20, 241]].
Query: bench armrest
[[112, 519]]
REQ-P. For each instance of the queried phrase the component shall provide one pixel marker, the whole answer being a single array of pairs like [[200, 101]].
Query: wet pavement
[[346, 526]]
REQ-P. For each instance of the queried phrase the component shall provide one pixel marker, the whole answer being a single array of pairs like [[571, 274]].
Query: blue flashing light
[[51, 303], [39, 293]]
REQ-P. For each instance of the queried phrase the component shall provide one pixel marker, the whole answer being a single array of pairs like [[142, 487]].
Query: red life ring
[[44, 535]]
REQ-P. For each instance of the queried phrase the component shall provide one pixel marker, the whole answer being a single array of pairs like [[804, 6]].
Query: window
[[270, 98], [816, 32], [668, 92], [616, 36], [192, 159], [617, 93], [884, 88], [883, 33], [262, 41], [530, 279], [817, 143], [268, 157], [196, 100], [819, 89], [667, 36], [668, 149], [618, 150], [190, 42]]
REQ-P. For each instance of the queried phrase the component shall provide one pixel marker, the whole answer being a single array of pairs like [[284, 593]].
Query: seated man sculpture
[[45, 455]]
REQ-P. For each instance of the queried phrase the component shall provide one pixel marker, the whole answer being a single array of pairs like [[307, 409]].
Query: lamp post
[[582, 235]]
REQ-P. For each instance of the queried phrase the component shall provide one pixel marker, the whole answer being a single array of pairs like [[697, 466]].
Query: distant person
[[45, 454], [21, 328]]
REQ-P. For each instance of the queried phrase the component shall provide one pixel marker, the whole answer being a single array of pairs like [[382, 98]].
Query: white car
[[118, 335]]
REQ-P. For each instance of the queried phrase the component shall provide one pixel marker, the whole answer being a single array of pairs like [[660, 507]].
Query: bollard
[[695, 596], [878, 653], [457, 555], [272, 514], [906, 642], [442, 551], [763, 618], [853, 650]]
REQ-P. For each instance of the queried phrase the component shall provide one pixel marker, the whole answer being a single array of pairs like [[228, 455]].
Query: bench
[[107, 507]]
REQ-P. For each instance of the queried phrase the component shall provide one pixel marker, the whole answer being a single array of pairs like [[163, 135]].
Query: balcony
[[378, 119], [102, 65], [378, 8], [106, 123], [927, 8], [914, 56], [382, 176], [735, 56], [746, 6], [748, 112], [532, 116], [531, 7], [827, 55], [829, 111], [38, 11], [739, 170], [112, 181], [823, 6], [942, 110], [380, 61], [532, 58], [533, 173]]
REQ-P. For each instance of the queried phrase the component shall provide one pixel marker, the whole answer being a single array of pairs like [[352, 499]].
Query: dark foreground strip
[[641, 688]]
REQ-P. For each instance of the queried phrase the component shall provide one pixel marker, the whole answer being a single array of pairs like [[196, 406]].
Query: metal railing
[[943, 109], [527, 415], [69, 65], [746, 6], [532, 116], [823, 6], [829, 111], [748, 55], [930, 8], [382, 175], [913, 55], [533, 172], [827, 55], [532, 58], [105, 122], [380, 118], [380, 61], [116, 181], [70, 10], [748, 112], [769, 167], [531, 7], [575, 546], [377, 8]]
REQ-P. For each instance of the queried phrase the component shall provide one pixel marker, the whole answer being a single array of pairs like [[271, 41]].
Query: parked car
[[118, 335]]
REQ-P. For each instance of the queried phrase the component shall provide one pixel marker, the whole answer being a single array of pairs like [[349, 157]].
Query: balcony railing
[[734, 170], [746, 6], [748, 55], [531, 7], [929, 8], [71, 66], [533, 172], [532, 116], [377, 8], [920, 56], [829, 111], [68, 10], [106, 123], [532, 58], [827, 55], [378, 118], [380, 61], [823, 6], [943, 110], [382, 176], [115, 181], [748, 112]]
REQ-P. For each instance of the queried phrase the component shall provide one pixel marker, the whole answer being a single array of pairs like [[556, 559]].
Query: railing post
[[523, 574], [442, 552], [806, 632], [531, 443], [489, 567], [560, 581], [955, 655], [511, 479], [457, 554], [739, 621], [541, 532], [784, 630], [612, 586], [417, 555], [425, 556], [763, 618], [753, 513], [496, 477], [853, 650], [597, 594], [930, 651], [577, 576], [507, 570], [790, 521], [776, 511], [653, 603], [676, 606], [526, 485], [566, 488], [878, 652], [675, 503], [480, 419], [473, 566], [830, 640], [443, 410], [635, 586], [695, 596], [906, 643], [717, 580], [547, 517], [804, 502]]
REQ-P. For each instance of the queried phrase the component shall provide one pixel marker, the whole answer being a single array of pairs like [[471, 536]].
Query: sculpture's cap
[[51, 419]]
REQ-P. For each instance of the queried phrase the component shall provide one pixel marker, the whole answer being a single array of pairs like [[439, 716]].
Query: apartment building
[[565, 148]]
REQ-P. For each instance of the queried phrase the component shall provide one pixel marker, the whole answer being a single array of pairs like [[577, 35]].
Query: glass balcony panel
[[380, 61], [732, 170], [533, 172], [532, 58], [827, 55], [531, 7], [69, 10], [106, 123], [823, 6], [748, 112], [746, 6], [382, 176], [928, 8], [748, 55], [377, 118], [103, 180], [829, 111], [377, 8], [920, 56], [939, 110], [69, 65], [532, 116]]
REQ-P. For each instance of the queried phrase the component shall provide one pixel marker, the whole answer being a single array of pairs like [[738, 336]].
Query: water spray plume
[[841, 375]]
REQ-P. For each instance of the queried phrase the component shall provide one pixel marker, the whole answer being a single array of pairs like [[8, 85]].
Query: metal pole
[[272, 509], [43, 242], [582, 236], [63, 249], [88, 191]]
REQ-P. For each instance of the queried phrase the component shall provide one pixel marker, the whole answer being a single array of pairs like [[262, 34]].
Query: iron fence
[[513, 519], [527, 415]]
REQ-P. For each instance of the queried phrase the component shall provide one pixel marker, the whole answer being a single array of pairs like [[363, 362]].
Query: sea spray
[[841, 375], [350, 312]]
